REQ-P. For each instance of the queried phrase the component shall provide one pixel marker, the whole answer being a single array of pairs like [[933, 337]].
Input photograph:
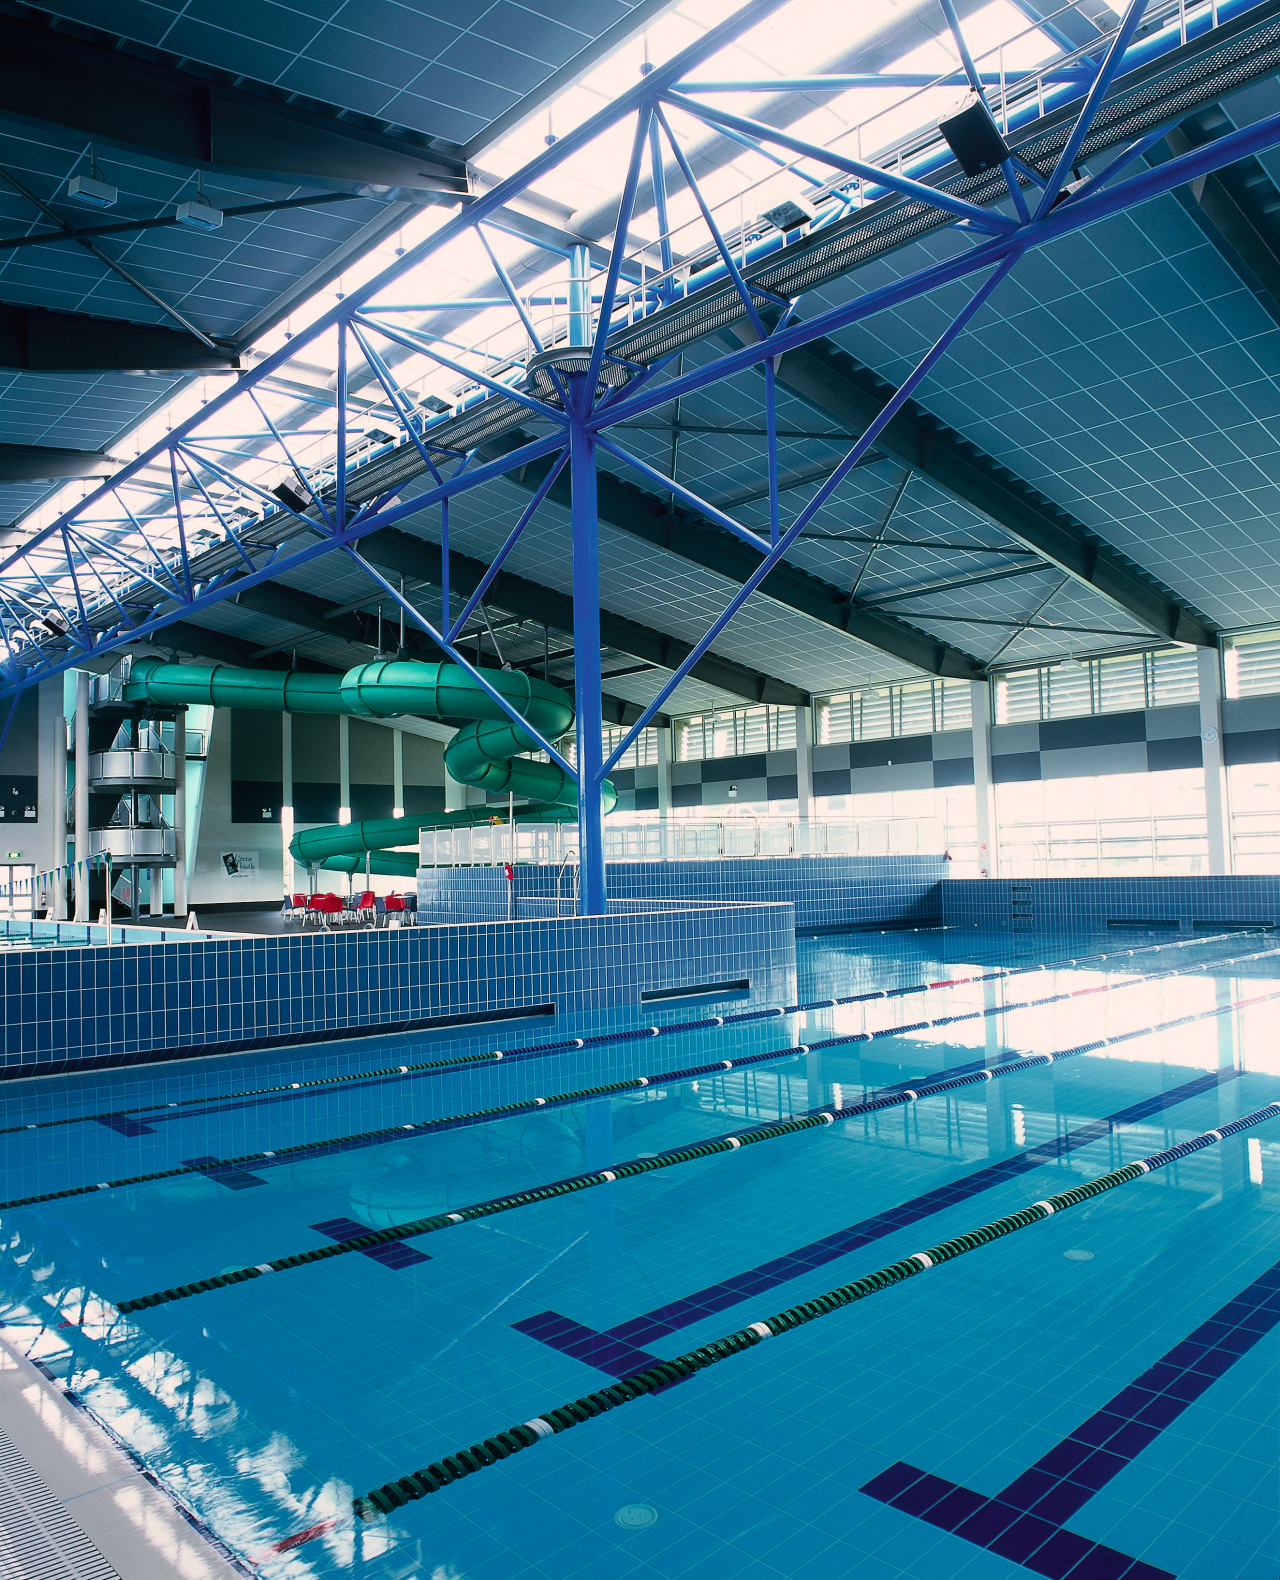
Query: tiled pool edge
[[145, 1003]]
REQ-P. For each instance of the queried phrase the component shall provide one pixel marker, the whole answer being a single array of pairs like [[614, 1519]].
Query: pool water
[[829, 1451]]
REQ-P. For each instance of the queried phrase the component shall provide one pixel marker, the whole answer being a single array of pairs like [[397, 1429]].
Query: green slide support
[[485, 752]]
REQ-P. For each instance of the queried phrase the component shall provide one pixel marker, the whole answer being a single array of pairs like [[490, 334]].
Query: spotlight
[[974, 137], [91, 190], [786, 216], [199, 214], [435, 405]]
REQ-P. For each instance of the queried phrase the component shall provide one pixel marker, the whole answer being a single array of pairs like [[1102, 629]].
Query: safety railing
[[1171, 846]]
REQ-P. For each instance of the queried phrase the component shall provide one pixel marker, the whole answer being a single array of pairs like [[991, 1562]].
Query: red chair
[[394, 906], [315, 909], [366, 906], [331, 910]]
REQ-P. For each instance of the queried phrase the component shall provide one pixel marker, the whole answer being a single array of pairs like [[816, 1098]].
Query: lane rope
[[400, 1130], [395, 1072], [502, 1445], [661, 1160]]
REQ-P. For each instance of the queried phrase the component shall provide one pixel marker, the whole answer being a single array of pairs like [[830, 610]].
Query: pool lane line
[[571, 1045], [479, 1456], [212, 1167], [618, 1351], [673, 1156]]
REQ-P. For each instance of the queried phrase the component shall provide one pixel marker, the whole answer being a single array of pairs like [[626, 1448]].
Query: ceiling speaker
[[974, 138]]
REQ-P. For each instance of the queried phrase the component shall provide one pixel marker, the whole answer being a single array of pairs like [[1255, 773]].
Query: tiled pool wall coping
[[77, 1008], [826, 891], [1094, 904]]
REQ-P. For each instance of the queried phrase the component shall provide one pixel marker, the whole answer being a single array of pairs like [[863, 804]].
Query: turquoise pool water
[[871, 1443]]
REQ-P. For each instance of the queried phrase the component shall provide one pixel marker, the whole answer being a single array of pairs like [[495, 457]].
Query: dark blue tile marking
[[395, 1256], [232, 1178], [1024, 1522], [585, 1344], [125, 1127], [549, 1327]]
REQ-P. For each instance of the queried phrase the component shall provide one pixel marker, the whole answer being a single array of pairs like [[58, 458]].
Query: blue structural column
[[586, 649]]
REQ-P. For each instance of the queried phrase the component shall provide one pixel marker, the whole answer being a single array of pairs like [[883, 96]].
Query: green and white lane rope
[[503, 1445], [401, 1131], [649, 1165], [393, 1072]]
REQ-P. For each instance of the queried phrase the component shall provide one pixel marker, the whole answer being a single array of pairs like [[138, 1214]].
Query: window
[[1252, 664], [734, 732], [642, 751], [1124, 683], [916, 707]]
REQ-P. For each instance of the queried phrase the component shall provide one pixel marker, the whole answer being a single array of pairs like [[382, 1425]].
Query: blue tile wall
[[1072, 904], [826, 891], [74, 1008]]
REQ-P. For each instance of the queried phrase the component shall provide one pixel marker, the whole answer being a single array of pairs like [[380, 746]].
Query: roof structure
[[1090, 465]]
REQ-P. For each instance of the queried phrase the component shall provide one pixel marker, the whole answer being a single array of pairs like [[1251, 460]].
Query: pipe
[[485, 751]]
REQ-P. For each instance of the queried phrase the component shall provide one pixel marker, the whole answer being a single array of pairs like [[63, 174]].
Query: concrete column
[[286, 802], [455, 794], [344, 769], [804, 764], [82, 795], [983, 789], [664, 771], [156, 891], [58, 889], [1215, 773], [180, 813], [397, 773]]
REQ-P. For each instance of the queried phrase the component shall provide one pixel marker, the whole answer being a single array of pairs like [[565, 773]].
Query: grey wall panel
[[686, 774], [256, 745], [1173, 724], [423, 761], [1104, 729], [646, 778], [831, 781], [783, 787], [686, 795], [717, 794], [1251, 746], [722, 770], [952, 771], [1184, 753], [1009, 768], [902, 749], [953, 744], [780, 763], [830, 757], [1011, 740], [371, 759], [315, 747], [1128, 757], [901, 776], [1241, 714]]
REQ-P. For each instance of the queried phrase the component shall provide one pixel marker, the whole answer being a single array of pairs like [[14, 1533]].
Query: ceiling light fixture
[[91, 190], [200, 214]]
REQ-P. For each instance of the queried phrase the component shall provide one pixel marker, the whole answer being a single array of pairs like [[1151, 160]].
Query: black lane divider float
[[660, 1160], [213, 1166], [634, 1034], [467, 1461]]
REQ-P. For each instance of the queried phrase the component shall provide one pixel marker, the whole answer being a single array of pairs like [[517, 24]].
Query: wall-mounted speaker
[[974, 137]]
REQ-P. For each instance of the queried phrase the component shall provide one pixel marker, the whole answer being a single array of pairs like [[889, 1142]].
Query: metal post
[[580, 297], [180, 813], [156, 892], [397, 771], [58, 895], [1209, 666], [287, 873], [82, 796], [344, 769], [586, 651], [983, 790], [663, 732]]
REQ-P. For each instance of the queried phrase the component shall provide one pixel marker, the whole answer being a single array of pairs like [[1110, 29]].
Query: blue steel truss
[[191, 521]]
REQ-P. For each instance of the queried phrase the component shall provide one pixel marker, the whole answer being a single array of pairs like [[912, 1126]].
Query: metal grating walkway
[[38, 1538]]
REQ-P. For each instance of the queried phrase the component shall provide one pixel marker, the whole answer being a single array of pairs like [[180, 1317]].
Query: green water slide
[[485, 752]]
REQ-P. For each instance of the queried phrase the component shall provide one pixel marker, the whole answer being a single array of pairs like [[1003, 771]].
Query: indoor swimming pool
[[1092, 1395]]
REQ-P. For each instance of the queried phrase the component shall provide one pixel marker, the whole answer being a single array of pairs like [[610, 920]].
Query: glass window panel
[[876, 723], [955, 705], [915, 709], [1069, 690], [1122, 684], [1253, 665], [835, 719], [1175, 677], [1018, 697]]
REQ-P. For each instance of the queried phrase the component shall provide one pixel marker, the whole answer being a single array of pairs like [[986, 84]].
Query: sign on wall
[[240, 863]]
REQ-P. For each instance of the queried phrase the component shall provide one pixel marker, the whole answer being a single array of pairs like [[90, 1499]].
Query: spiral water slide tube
[[485, 752]]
